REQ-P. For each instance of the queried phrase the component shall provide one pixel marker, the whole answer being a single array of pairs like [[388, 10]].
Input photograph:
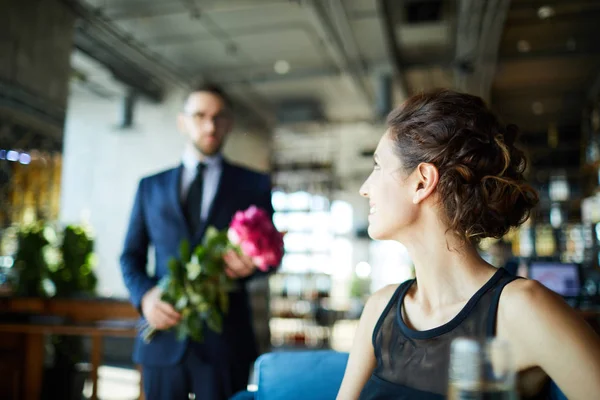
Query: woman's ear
[[427, 176]]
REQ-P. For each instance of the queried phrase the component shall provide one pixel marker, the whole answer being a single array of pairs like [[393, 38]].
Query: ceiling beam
[[15, 97], [122, 54], [480, 27], [120, 67], [590, 54], [335, 46], [536, 91], [134, 64], [594, 91], [266, 75], [534, 4], [340, 17], [392, 44], [18, 134], [143, 9]]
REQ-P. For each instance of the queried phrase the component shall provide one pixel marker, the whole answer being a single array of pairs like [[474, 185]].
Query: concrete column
[[36, 38]]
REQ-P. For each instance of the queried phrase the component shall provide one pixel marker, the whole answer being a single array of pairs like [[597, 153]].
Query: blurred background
[[90, 90]]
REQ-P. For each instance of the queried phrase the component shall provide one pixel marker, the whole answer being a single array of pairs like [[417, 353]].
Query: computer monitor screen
[[562, 278]]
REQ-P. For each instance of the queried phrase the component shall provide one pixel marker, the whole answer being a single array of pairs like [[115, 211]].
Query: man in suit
[[177, 204]]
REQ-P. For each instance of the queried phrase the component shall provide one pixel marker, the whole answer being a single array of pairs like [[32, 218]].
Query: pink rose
[[250, 249], [233, 236], [257, 237]]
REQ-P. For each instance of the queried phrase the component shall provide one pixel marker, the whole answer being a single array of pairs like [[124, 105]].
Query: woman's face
[[391, 192]]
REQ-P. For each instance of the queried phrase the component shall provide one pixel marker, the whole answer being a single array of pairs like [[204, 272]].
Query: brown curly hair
[[481, 186]]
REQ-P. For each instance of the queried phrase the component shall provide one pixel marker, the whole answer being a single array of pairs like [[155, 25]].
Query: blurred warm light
[[282, 67], [363, 269], [556, 218], [341, 213], [537, 107], [6, 261], [279, 200], [545, 12], [558, 188], [523, 46]]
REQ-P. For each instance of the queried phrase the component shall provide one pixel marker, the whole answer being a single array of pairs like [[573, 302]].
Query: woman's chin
[[375, 234]]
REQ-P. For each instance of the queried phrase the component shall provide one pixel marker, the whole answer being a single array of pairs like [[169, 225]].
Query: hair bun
[[510, 135], [483, 193]]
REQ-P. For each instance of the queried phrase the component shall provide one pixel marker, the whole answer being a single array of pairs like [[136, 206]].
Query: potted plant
[[35, 252], [73, 276]]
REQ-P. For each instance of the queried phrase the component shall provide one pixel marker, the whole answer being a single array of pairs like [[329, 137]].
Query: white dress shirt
[[210, 183]]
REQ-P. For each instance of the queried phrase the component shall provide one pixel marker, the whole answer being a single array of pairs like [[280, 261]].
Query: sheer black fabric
[[414, 364]]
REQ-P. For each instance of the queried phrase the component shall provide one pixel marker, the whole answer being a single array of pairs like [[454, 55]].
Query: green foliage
[[198, 287], [360, 287], [31, 262], [75, 274], [49, 264]]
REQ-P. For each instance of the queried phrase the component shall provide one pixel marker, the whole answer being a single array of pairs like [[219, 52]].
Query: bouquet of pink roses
[[197, 285], [254, 234]]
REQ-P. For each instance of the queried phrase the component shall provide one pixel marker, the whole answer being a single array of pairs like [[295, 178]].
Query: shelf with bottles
[[291, 308], [300, 286], [298, 333]]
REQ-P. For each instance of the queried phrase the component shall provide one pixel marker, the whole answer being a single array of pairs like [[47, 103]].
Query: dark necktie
[[193, 202]]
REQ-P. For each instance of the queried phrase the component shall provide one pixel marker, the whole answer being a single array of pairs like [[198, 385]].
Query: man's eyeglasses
[[200, 116]]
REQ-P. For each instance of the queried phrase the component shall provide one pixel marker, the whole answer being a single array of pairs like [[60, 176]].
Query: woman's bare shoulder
[[376, 304], [380, 299], [523, 298], [525, 295], [527, 306], [546, 332]]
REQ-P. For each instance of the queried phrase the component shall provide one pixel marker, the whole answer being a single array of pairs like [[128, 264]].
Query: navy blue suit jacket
[[157, 220]]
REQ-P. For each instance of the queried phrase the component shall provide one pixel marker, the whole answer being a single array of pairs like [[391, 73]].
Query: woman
[[446, 175]]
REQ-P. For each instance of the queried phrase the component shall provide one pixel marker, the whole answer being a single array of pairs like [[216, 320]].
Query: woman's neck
[[448, 271]]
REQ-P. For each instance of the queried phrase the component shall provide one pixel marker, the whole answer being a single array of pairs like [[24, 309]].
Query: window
[[313, 226]]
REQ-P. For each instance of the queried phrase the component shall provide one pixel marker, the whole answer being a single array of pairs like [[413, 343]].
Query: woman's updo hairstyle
[[481, 186]]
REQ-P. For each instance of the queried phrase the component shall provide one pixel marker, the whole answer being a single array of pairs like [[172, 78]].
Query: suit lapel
[[175, 198], [219, 203]]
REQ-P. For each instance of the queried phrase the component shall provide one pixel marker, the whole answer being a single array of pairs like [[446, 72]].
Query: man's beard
[[202, 151]]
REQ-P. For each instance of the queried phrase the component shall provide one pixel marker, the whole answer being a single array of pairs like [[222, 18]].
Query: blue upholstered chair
[[301, 375]]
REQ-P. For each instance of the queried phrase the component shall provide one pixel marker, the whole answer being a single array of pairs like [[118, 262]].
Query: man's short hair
[[213, 89]]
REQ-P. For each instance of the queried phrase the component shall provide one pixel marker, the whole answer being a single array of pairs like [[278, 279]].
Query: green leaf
[[195, 327], [195, 299], [214, 267], [185, 313], [210, 235], [203, 307], [200, 252], [181, 303], [224, 301], [211, 293], [193, 269], [175, 269], [173, 266], [184, 251], [215, 321]]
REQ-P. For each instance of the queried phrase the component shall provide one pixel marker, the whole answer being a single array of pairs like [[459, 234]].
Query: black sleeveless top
[[414, 364]]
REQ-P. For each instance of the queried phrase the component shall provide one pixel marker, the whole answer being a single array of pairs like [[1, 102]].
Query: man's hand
[[238, 266], [159, 314]]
